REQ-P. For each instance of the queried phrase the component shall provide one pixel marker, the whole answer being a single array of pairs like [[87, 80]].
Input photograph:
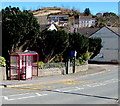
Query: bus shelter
[[23, 65]]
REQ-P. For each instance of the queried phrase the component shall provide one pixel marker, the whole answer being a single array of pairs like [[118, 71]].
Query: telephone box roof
[[30, 53]]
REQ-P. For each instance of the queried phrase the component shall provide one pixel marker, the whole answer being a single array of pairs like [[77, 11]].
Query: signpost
[[73, 54]]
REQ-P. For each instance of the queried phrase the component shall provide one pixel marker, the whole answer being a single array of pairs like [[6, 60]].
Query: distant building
[[86, 21], [99, 14], [52, 27], [60, 20]]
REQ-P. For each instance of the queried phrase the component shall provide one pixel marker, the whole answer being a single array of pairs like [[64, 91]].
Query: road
[[97, 88]]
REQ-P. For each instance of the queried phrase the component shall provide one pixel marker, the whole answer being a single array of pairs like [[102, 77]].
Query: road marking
[[19, 94], [101, 83], [69, 89], [44, 86], [23, 96], [31, 84], [77, 82], [75, 89], [40, 94]]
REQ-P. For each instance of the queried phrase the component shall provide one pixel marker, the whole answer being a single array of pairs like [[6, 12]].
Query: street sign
[[73, 53]]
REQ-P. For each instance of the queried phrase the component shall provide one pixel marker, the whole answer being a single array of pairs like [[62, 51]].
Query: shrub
[[2, 61], [86, 56], [54, 65], [83, 58], [58, 58], [41, 65]]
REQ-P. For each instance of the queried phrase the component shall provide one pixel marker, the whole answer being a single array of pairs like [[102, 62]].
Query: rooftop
[[86, 17], [87, 31]]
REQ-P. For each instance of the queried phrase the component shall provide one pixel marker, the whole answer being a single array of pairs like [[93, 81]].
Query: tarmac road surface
[[96, 88]]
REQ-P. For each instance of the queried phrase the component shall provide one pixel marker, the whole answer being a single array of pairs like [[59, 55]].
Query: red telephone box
[[23, 65]]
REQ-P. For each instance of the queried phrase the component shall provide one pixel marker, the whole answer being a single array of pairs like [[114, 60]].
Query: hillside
[[55, 10], [105, 19]]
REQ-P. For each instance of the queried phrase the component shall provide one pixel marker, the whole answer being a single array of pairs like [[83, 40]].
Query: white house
[[110, 51], [52, 27], [60, 20], [86, 21]]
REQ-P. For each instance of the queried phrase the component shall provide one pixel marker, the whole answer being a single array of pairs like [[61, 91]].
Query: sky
[[95, 7]]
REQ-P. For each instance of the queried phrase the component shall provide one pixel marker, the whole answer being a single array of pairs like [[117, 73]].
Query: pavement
[[93, 69]]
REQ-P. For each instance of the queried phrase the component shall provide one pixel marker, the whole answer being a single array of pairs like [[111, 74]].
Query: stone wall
[[3, 73], [60, 71], [47, 72]]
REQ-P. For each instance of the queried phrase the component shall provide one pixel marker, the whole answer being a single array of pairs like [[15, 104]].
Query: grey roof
[[87, 31], [59, 15], [87, 17], [90, 31], [115, 30]]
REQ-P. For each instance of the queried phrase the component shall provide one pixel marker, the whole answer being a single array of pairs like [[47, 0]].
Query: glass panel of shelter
[[34, 64], [25, 66], [14, 67], [14, 61]]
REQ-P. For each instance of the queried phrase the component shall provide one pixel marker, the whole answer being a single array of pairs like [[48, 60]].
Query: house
[[110, 52], [86, 21], [60, 20], [52, 27]]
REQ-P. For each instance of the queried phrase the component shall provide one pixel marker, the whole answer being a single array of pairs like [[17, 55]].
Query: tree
[[77, 42], [20, 30], [94, 46], [51, 44], [101, 22], [87, 12], [108, 19], [86, 47]]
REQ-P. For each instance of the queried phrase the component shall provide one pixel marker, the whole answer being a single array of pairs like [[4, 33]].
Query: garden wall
[[48, 71], [3, 73], [60, 71]]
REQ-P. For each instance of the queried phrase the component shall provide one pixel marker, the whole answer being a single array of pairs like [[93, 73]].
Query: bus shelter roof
[[30, 53]]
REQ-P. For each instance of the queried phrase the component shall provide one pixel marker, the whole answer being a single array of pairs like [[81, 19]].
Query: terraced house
[[60, 20], [86, 21]]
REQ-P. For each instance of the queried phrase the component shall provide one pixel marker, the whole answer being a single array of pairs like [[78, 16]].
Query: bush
[[86, 56], [58, 58], [41, 65], [80, 61], [54, 65], [83, 58], [2, 61]]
